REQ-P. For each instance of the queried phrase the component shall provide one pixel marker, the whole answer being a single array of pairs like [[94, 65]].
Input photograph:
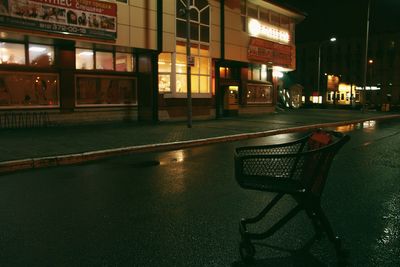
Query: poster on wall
[[88, 18]]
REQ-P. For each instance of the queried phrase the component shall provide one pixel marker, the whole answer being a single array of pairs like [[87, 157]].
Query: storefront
[[257, 53], [74, 60], [83, 61], [235, 47]]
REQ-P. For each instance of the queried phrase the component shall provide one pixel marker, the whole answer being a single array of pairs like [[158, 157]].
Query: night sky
[[343, 18]]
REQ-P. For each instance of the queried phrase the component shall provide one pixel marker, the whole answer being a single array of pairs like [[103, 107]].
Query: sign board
[[264, 30], [88, 18], [332, 83], [191, 61], [270, 52]]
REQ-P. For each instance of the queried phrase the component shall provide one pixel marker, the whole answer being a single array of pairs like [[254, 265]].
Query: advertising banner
[[266, 51], [88, 18]]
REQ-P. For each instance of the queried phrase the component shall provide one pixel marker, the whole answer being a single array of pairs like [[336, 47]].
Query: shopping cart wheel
[[247, 251]]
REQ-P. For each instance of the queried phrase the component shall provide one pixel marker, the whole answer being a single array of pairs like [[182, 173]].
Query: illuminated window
[[257, 73], [104, 61], [41, 55], [164, 72], [124, 62], [200, 71], [11, 53], [38, 55], [259, 93], [199, 50], [84, 59]]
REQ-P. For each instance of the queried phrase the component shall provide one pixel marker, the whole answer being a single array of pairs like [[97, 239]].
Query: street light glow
[[333, 39]]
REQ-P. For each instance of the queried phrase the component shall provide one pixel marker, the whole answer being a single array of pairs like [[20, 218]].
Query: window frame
[[114, 59], [34, 73], [198, 45], [76, 76], [27, 59]]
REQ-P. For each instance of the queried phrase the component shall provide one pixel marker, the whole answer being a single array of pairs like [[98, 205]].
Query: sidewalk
[[34, 148]]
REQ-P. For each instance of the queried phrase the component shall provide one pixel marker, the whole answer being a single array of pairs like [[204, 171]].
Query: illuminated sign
[[268, 31], [368, 88]]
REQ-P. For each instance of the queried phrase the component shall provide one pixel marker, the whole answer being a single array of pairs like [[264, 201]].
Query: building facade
[[343, 69], [87, 60]]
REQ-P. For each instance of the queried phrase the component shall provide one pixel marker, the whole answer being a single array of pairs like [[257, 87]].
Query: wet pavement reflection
[[182, 208]]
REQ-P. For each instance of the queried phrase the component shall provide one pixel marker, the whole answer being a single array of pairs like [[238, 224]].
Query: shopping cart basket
[[299, 169]]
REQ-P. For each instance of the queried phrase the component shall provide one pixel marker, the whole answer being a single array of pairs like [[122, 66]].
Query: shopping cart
[[299, 169]]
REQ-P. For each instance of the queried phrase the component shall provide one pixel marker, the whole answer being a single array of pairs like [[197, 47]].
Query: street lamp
[[188, 67], [332, 39], [364, 100]]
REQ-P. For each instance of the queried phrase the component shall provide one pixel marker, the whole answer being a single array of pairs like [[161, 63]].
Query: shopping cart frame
[[299, 169]]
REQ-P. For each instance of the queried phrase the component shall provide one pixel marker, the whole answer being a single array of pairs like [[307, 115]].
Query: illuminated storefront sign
[[373, 88], [262, 30], [89, 18], [333, 83]]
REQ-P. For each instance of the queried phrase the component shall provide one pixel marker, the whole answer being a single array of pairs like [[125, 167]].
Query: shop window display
[[259, 93], [107, 90], [18, 89]]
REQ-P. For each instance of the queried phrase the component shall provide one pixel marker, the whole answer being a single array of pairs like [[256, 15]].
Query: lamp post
[[188, 73], [332, 39], [365, 104]]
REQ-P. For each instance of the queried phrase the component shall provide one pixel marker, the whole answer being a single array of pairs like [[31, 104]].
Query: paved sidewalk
[[33, 148]]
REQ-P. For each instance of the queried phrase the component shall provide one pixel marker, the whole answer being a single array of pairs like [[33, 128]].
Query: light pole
[[188, 66], [332, 39], [365, 104]]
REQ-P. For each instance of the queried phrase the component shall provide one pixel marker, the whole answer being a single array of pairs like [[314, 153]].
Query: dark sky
[[344, 18]]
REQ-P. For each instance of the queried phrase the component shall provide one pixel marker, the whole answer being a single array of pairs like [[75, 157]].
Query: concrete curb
[[62, 160]]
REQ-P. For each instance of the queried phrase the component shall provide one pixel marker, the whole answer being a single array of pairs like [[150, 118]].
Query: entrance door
[[230, 100]]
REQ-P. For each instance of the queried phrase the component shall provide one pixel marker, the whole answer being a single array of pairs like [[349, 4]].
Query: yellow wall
[[137, 24], [215, 29], [236, 40]]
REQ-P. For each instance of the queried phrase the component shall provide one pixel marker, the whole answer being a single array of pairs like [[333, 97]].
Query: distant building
[[342, 71], [126, 60]]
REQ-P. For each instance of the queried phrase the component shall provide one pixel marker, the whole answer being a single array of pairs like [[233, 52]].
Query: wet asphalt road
[[182, 208]]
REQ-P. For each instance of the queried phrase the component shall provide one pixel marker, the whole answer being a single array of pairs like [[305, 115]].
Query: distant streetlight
[[332, 39]]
